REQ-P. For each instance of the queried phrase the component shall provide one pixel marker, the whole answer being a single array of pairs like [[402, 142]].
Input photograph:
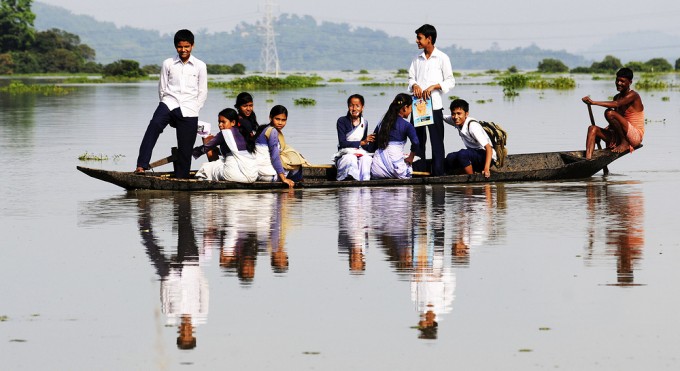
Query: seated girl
[[276, 160], [246, 118], [390, 137], [239, 163], [352, 161]]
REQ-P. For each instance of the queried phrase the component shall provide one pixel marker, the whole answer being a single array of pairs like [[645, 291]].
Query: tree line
[[609, 64], [24, 50]]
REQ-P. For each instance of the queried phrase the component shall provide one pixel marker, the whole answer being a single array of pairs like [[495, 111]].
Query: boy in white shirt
[[430, 76], [478, 153], [182, 89]]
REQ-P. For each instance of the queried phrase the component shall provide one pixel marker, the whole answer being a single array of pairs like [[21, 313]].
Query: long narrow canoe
[[518, 168]]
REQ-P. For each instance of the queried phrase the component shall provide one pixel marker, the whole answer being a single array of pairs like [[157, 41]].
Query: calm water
[[572, 275]]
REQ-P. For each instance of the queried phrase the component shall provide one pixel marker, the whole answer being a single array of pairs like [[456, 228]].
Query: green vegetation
[[268, 83], [152, 69], [649, 84], [391, 83], [560, 83], [51, 51], [512, 83], [222, 69], [16, 25], [337, 79], [18, 87], [402, 72], [304, 102], [92, 157], [611, 64], [365, 78], [550, 65], [97, 157], [666, 99], [363, 72], [123, 68]]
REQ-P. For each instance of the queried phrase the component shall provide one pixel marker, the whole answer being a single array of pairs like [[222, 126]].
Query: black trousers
[[436, 131], [185, 128]]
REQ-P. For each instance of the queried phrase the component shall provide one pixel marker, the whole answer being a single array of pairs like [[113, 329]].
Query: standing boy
[[625, 115], [430, 76], [478, 152], [182, 89]]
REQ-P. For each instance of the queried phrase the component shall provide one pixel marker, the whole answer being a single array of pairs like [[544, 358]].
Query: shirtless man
[[625, 115]]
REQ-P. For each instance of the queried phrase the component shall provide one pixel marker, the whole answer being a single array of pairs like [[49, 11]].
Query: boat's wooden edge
[[572, 165]]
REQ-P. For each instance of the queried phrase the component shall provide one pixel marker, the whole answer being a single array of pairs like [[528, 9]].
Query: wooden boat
[[518, 168]]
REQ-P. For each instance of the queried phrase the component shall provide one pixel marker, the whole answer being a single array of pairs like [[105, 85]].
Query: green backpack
[[499, 138]]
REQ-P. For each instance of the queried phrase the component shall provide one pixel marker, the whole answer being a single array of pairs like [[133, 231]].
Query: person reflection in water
[[249, 231], [184, 288], [409, 224], [624, 232], [476, 221], [432, 281], [354, 207]]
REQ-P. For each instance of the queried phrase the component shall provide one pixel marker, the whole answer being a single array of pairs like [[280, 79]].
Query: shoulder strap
[[268, 133]]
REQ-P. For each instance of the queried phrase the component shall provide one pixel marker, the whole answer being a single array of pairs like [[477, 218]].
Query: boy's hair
[[184, 35], [459, 103], [625, 72], [428, 30]]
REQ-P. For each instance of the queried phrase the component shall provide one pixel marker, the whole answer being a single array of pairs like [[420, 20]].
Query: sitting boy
[[478, 152], [625, 115]]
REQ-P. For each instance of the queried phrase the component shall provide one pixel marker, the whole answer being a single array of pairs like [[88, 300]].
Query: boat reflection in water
[[183, 287], [411, 225], [616, 209]]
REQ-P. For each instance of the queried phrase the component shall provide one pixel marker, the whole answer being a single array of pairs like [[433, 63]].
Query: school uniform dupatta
[[354, 162]]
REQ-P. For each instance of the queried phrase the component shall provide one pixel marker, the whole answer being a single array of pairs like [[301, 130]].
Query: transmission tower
[[269, 58]]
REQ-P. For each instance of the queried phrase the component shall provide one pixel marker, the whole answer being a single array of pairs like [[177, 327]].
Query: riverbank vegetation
[[18, 87], [258, 82]]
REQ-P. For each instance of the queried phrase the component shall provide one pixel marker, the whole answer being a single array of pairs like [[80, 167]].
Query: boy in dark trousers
[[182, 89]]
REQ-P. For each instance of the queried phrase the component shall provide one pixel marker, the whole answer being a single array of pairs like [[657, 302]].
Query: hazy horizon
[[481, 25]]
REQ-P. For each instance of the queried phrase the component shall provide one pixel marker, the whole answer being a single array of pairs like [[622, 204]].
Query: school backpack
[[499, 138]]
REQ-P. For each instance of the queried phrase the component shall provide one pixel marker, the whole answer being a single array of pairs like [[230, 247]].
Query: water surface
[[571, 275]]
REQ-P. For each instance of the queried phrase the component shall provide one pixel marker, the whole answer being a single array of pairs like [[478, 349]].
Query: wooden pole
[[605, 170]]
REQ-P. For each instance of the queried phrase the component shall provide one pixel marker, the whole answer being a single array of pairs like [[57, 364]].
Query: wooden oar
[[162, 161], [605, 170]]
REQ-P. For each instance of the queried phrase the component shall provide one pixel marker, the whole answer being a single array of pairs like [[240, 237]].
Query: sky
[[573, 25]]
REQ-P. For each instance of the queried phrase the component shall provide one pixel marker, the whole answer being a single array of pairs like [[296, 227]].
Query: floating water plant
[[18, 87], [651, 84], [304, 102], [268, 83], [87, 156]]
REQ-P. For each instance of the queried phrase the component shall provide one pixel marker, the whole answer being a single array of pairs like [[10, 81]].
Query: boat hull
[[518, 168]]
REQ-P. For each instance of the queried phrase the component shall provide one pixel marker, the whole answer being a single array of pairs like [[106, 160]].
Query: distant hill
[[302, 44], [637, 46]]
